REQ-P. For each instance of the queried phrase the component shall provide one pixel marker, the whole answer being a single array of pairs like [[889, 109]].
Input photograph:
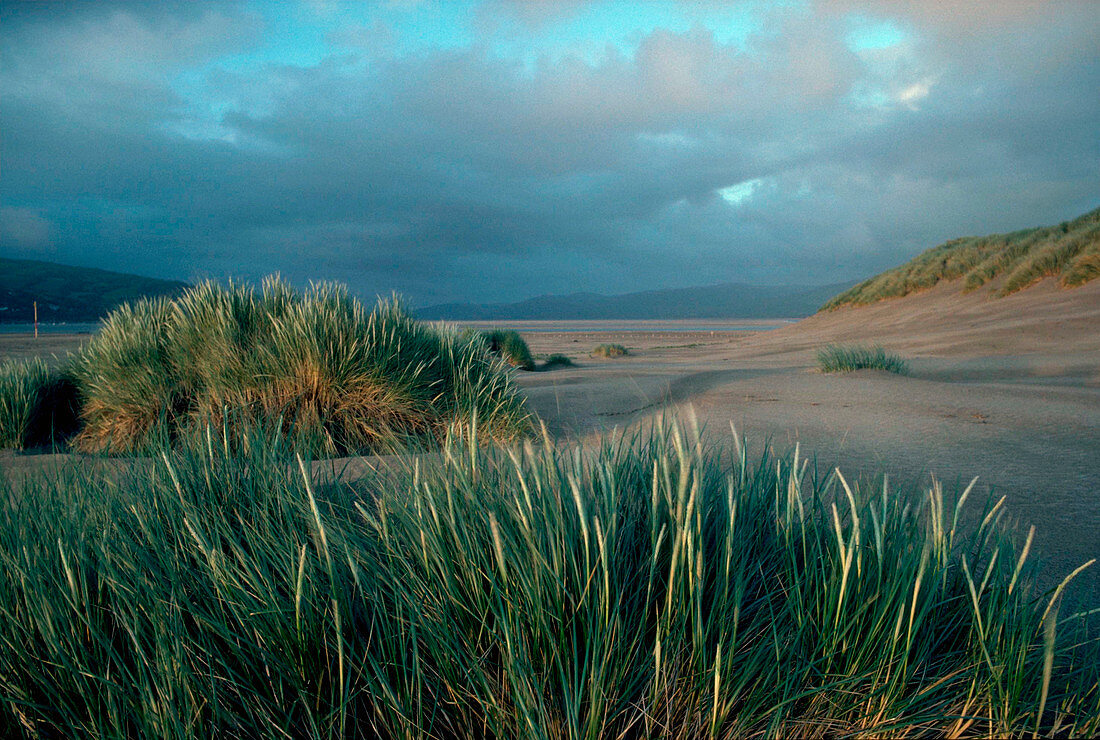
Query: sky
[[493, 151]]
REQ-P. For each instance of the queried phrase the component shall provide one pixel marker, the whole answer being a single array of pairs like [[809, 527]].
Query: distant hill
[[1006, 263], [70, 294], [726, 301]]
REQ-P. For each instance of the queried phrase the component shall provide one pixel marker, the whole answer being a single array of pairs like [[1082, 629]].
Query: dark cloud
[[146, 138]]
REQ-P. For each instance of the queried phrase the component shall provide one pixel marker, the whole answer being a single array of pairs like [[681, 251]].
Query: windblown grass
[[312, 366], [37, 405], [509, 345], [648, 590], [1069, 251], [836, 358], [610, 351]]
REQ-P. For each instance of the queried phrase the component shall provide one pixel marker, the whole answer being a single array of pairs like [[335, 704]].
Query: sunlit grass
[[610, 351], [1069, 252], [657, 588], [313, 365]]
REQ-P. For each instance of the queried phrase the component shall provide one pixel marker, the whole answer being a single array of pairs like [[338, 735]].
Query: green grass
[[313, 365], [509, 345], [836, 358], [37, 405], [1069, 252], [555, 361], [658, 588], [610, 351]]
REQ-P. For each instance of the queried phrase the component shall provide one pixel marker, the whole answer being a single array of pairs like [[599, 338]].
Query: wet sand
[[1007, 390]]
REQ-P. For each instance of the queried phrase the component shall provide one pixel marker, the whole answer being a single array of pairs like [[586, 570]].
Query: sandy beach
[[1005, 390]]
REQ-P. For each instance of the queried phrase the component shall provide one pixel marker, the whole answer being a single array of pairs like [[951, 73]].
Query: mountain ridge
[[719, 301], [67, 293]]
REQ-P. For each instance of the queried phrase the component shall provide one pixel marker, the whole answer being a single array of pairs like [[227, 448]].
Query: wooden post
[[36, 319]]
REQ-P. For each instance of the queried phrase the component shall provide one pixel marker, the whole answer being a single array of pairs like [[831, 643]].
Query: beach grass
[[511, 346], [555, 361], [1068, 252], [315, 365], [38, 404], [657, 587], [839, 358], [610, 351]]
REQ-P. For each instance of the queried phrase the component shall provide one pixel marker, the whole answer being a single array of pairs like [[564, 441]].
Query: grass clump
[[555, 361], [836, 358], [38, 405], [1069, 252], [314, 366], [509, 345], [610, 351], [649, 589]]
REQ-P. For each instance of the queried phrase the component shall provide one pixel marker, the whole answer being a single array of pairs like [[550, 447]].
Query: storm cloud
[[496, 151]]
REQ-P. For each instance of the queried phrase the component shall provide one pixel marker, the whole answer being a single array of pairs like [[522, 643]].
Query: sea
[[61, 328]]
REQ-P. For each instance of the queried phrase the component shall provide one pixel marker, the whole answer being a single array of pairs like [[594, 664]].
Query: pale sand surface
[[1007, 390]]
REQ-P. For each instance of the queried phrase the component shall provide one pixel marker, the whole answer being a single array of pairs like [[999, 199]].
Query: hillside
[[729, 300], [66, 293], [1002, 263]]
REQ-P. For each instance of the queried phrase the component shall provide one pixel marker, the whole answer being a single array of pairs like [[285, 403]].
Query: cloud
[[25, 230], [182, 140]]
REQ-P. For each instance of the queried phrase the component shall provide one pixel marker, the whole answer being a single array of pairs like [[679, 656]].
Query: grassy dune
[[650, 590], [316, 366], [1069, 252]]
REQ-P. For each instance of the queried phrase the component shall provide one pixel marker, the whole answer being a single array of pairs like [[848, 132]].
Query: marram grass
[[37, 405], [1068, 252], [556, 360], [610, 351], [313, 365], [656, 588], [838, 358], [511, 346]]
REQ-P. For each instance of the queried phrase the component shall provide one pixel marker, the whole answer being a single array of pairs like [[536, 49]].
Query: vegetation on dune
[[555, 361], [38, 405], [839, 358], [610, 351], [315, 366], [510, 346], [649, 590], [1069, 251]]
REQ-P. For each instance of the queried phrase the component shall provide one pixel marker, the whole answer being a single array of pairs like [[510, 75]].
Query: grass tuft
[[38, 405], [836, 358], [313, 366], [555, 361], [509, 345], [610, 351], [657, 587]]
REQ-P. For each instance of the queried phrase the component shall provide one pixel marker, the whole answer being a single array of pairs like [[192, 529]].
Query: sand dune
[[1004, 389]]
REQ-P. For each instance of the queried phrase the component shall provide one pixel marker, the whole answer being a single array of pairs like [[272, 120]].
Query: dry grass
[[610, 351]]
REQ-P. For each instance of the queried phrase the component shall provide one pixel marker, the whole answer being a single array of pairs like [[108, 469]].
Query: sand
[[1007, 390]]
